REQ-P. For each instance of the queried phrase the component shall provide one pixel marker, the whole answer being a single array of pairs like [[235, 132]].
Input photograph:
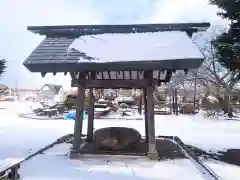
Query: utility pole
[[195, 89]]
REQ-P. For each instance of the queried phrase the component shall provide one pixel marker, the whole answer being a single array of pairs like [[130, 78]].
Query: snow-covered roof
[[148, 49], [54, 88], [169, 45]]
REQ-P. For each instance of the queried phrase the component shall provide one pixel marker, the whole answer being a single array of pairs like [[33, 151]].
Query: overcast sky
[[16, 43]]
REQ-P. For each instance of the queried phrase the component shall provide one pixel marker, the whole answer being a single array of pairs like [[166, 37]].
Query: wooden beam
[[112, 83], [115, 83]]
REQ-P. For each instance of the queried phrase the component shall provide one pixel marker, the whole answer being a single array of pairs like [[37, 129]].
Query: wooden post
[[152, 153], [90, 111], [90, 115], [14, 173], [145, 113], [79, 117]]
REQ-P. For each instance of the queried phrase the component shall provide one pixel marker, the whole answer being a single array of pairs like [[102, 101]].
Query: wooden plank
[[112, 83], [125, 84], [9, 163], [12, 164], [3, 176]]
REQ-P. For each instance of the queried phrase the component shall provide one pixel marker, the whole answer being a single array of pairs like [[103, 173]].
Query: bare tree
[[212, 73]]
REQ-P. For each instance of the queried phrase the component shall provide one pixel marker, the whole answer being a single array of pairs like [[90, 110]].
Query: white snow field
[[20, 137]]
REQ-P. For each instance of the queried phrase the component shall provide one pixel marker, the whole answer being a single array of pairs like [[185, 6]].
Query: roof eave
[[127, 28], [179, 64]]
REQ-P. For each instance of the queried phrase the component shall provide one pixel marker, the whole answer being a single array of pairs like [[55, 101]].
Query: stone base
[[152, 155], [77, 155], [74, 154]]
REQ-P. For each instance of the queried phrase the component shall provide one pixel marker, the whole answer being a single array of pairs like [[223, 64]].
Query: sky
[[16, 43]]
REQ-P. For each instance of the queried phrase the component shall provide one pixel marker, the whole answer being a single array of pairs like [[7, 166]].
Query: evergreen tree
[[2, 66], [228, 44]]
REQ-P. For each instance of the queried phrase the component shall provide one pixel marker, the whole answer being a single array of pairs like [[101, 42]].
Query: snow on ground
[[20, 137], [204, 133], [54, 165], [225, 171]]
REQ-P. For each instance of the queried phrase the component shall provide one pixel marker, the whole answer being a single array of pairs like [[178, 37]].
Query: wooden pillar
[[90, 115], [90, 111], [145, 113], [79, 117], [152, 153]]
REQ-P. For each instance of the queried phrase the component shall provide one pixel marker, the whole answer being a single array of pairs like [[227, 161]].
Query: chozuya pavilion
[[115, 56]]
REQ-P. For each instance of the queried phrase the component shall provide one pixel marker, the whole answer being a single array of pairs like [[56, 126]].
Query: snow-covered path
[[54, 165], [20, 137]]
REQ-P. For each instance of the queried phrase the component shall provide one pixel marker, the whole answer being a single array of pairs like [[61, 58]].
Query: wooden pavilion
[[116, 56]]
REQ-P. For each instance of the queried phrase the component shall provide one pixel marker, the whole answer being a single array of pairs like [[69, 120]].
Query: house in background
[[51, 93], [4, 90]]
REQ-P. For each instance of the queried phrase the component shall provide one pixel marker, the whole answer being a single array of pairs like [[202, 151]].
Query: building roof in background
[[54, 88], [3, 86]]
